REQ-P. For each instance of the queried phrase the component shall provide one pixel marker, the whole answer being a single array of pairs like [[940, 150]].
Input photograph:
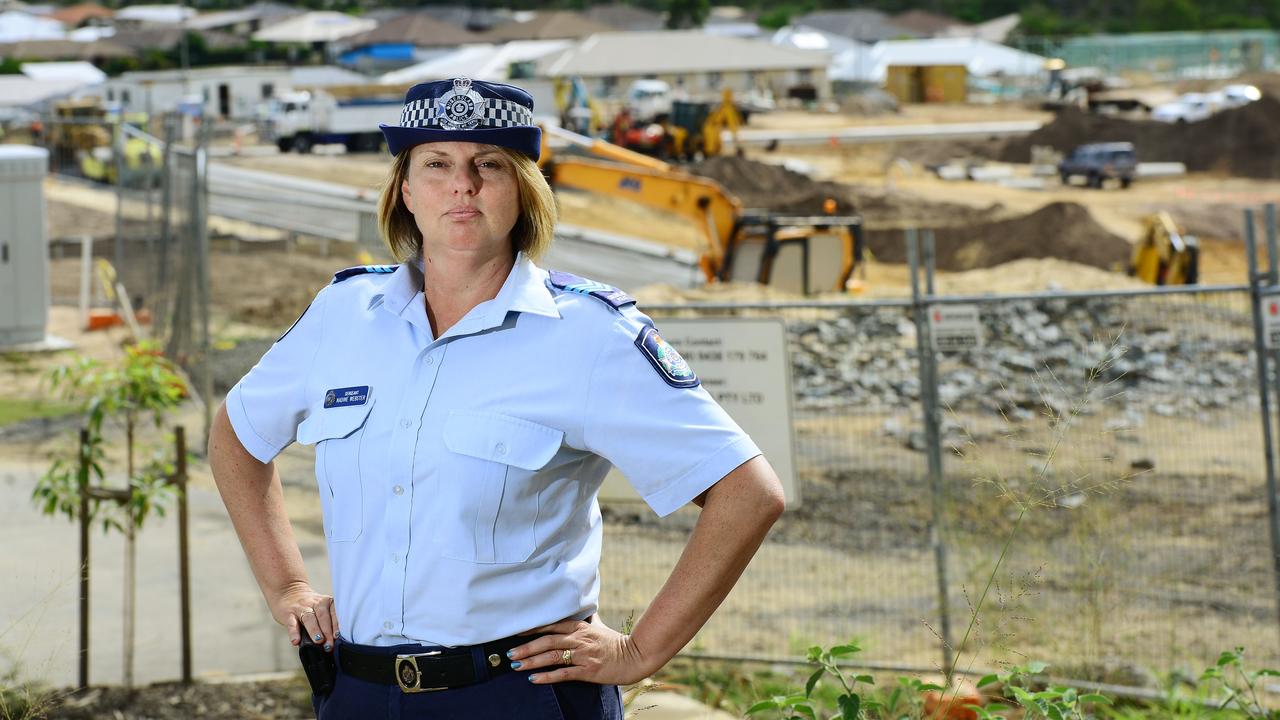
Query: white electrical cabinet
[[24, 251]]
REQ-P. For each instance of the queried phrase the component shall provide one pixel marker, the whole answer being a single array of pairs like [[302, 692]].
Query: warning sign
[[955, 327], [1271, 322]]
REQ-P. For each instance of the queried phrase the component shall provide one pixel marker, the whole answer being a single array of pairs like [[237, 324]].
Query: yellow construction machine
[[800, 253], [1165, 255], [78, 126]]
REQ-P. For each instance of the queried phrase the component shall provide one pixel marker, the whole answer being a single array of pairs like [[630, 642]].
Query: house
[[234, 93], [979, 58], [472, 18], [403, 40], [544, 25], [693, 62], [866, 26], [83, 15], [18, 26], [76, 70], [167, 38]]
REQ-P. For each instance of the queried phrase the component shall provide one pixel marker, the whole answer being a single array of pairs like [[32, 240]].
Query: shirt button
[[500, 448], [386, 625], [406, 423], [430, 360], [398, 490], [395, 557]]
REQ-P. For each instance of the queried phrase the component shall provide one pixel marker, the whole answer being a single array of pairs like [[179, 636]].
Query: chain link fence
[[1163, 57], [140, 200], [1104, 450]]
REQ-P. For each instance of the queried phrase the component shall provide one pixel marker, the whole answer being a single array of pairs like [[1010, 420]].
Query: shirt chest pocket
[[337, 435], [488, 502]]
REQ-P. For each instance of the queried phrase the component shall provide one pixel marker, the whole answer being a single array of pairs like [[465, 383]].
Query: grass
[[15, 411]]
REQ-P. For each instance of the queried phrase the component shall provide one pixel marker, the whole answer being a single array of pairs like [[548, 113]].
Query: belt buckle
[[409, 677]]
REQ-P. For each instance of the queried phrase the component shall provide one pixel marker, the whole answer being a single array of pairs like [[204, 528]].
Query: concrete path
[[232, 631]]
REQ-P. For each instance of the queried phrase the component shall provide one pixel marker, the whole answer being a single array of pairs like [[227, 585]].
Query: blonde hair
[[532, 234]]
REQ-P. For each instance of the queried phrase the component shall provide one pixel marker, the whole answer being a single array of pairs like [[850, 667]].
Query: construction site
[[1109, 406]]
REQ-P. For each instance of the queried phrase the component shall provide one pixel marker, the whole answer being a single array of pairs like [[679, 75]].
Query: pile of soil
[[1240, 141], [1061, 230], [773, 187]]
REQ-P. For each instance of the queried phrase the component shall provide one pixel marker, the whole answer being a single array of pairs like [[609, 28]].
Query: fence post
[[82, 480], [184, 564], [933, 441], [1256, 279]]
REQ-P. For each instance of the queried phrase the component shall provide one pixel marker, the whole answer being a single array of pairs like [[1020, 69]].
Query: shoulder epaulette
[[362, 270], [609, 294]]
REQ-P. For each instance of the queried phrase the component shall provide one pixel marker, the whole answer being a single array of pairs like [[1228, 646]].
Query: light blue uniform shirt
[[458, 475]]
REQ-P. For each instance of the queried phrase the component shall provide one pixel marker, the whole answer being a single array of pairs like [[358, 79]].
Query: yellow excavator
[[802, 253], [1165, 255]]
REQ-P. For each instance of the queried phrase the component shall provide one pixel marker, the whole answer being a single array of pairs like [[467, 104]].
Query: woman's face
[[463, 197]]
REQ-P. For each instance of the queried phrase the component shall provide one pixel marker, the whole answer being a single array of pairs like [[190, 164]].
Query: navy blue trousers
[[509, 695]]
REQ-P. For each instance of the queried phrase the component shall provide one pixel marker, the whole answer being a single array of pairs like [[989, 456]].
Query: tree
[[143, 385], [687, 13]]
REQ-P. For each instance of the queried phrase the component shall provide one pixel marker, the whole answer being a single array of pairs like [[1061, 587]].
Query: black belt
[[429, 671]]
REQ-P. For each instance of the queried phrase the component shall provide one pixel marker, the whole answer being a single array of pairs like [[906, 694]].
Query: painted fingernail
[[533, 677], [515, 665], [317, 637], [328, 647], [511, 653]]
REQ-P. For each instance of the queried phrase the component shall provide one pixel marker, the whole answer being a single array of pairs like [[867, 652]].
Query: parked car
[[1191, 107], [1099, 162], [1238, 95]]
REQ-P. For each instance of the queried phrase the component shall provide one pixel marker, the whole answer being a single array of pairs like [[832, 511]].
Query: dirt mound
[[780, 189], [1240, 141], [1061, 230]]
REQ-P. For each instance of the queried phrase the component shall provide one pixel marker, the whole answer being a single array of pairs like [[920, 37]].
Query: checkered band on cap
[[495, 113]]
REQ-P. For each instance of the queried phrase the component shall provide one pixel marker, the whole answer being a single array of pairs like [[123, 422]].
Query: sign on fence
[[1271, 322], [955, 327], [744, 365]]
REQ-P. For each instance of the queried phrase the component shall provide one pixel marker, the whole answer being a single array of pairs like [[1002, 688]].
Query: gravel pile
[[1163, 364]]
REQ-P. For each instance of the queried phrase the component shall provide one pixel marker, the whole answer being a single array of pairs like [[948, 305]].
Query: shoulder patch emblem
[[611, 295], [665, 359], [362, 270]]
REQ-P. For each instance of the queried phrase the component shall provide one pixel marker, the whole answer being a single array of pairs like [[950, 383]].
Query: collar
[[525, 290]]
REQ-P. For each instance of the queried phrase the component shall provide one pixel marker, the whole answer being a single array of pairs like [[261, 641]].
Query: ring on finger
[[566, 657], [308, 611]]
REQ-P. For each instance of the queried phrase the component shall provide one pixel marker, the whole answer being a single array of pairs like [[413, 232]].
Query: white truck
[[300, 120]]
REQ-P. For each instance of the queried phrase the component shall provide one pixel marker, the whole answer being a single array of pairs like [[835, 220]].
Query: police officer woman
[[465, 406]]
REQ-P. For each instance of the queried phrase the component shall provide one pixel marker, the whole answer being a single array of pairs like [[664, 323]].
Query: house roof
[[861, 25], [155, 14], [77, 70], [482, 62], [18, 26], [926, 23], [417, 28], [547, 25], [994, 30], [64, 50], [677, 51], [473, 19], [17, 91], [318, 26], [264, 12], [166, 38], [77, 15], [625, 17]]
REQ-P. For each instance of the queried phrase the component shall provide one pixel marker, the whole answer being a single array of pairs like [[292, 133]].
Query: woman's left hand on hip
[[595, 653]]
